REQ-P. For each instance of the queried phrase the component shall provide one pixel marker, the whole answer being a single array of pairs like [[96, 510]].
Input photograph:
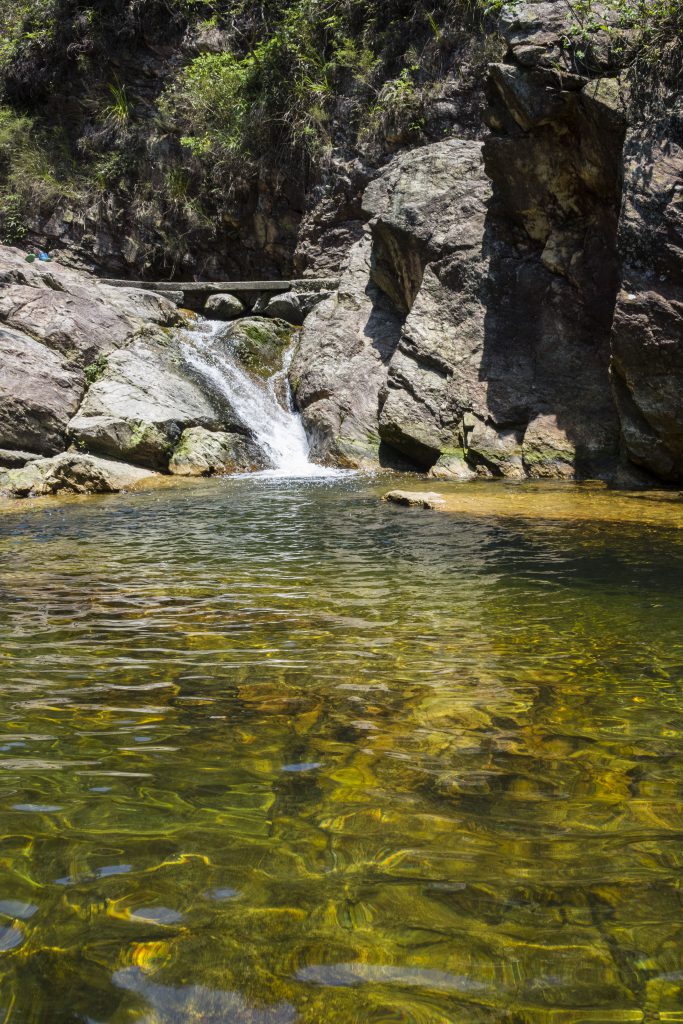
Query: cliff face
[[538, 278], [171, 138]]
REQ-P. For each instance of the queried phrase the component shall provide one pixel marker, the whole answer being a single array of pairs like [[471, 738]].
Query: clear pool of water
[[274, 752]]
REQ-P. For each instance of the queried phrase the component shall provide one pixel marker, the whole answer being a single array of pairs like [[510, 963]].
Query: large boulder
[[429, 211], [494, 357], [142, 402], [497, 280], [58, 327], [203, 452], [143, 305], [295, 305], [286, 306], [554, 160], [71, 473], [71, 313], [39, 393], [340, 364], [425, 205], [258, 344], [224, 306]]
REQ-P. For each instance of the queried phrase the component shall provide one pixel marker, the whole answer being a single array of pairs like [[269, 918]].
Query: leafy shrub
[[24, 21]]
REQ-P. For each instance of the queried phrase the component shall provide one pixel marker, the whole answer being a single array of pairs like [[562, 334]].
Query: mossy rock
[[259, 343], [203, 452]]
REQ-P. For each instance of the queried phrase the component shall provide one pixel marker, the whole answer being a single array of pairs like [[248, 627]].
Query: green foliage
[[13, 228], [638, 30], [398, 107], [94, 371], [210, 95], [278, 85], [24, 22], [295, 80], [118, 112], [649, 16], [275, 93], [33, 172]]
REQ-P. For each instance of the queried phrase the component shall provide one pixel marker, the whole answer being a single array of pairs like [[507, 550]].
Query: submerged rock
[[203, 452], [415, 499], [70, 472]]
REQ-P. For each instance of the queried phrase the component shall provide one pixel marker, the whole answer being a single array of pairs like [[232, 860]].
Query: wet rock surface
[[105, 369], [259, 343], [139, 406], [203, 452]]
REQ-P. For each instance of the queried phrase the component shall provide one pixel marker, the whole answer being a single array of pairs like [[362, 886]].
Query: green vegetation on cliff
[[173, 108], [166, 122]]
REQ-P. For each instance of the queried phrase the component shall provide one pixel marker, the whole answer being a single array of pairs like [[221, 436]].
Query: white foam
[[279, 432]]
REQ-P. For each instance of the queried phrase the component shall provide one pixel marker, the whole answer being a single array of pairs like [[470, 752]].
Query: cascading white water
[[278, 431]]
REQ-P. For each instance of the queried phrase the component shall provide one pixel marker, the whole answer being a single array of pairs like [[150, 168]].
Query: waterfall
[[278, 431]]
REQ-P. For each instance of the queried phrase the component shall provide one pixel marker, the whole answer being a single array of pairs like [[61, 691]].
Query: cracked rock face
[[54, 324], [647, 334], [39, 393], [433, 378], [498, 360], [520, 346], [340, 364]]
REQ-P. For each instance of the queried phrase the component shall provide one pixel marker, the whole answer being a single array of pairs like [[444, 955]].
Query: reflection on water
[[277, 753]]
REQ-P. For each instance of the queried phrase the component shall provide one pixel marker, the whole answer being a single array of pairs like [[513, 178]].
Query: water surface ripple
[[277, 753]]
